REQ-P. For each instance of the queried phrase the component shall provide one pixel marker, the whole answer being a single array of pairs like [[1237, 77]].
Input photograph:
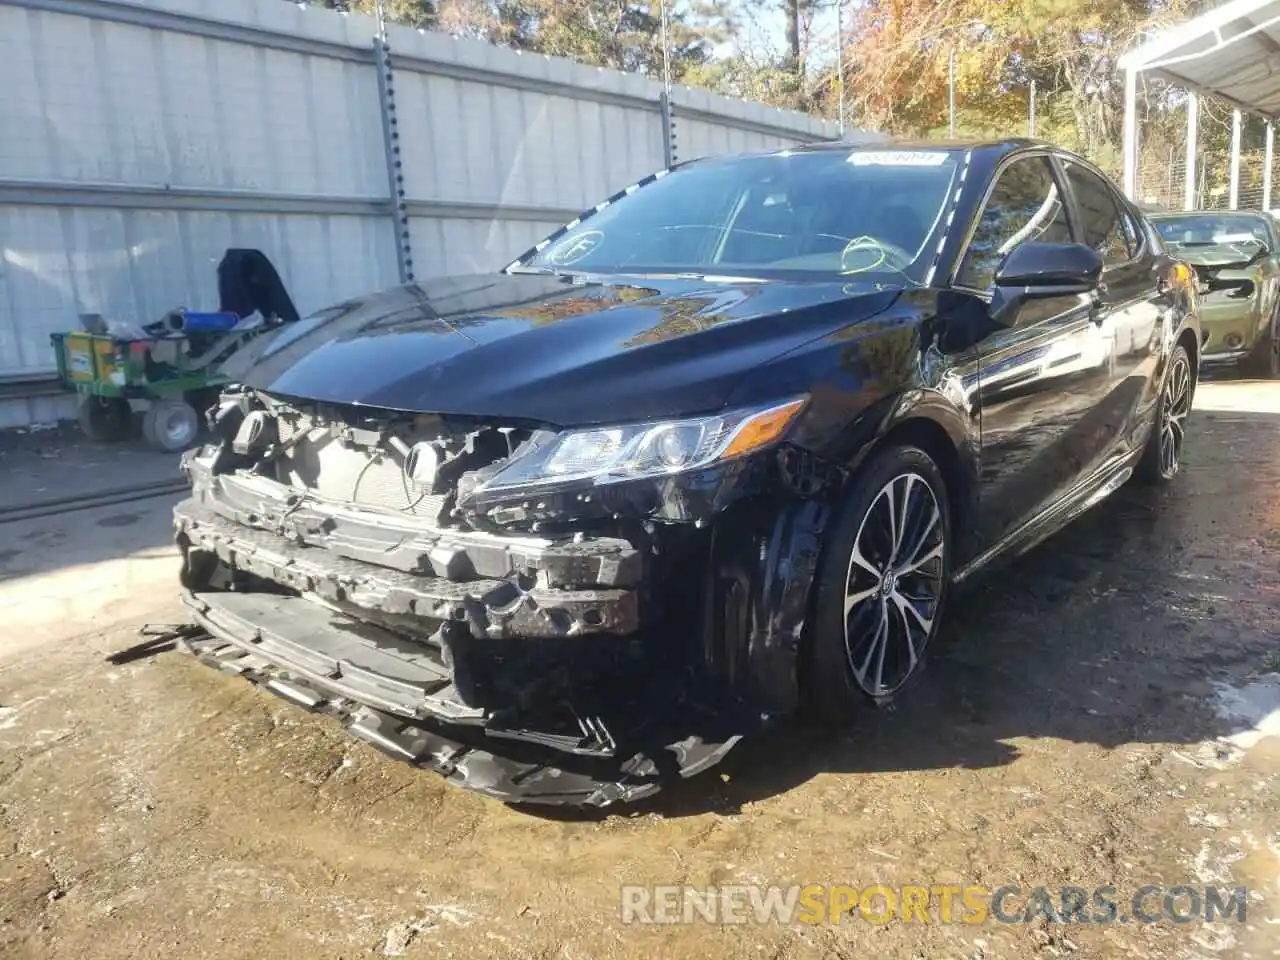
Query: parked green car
[[1236, 256]]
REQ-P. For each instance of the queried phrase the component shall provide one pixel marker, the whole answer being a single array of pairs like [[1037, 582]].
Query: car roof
[[875, 142], [1182, 214]]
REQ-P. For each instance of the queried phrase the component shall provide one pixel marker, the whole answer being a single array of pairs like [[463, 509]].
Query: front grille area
[[394, 463], [318, 462]]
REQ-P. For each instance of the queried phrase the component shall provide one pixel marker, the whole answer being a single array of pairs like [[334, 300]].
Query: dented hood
[[542, 348], [1221, 256]]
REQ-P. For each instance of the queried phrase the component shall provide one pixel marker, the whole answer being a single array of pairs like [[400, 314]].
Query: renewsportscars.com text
[[935, 903]]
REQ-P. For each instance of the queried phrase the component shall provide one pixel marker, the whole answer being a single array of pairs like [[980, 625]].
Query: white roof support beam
[[1234, 199], [1190, 192], [1267, 157], [1130, 145], [1231, 53]]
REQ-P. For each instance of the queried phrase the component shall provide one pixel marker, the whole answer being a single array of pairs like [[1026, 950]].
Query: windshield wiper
[[545, 271]]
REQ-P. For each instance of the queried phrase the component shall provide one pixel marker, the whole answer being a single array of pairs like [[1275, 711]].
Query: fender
[[765, 553], [756, 600]]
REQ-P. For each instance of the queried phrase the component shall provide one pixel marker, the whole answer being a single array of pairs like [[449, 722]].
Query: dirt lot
[[1075, 729]]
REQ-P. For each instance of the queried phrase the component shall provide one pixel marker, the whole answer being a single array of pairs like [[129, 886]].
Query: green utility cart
[[163, 374], [173, 369]]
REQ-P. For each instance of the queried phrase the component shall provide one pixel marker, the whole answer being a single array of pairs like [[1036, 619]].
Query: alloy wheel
[[894, 584], [1174, 407]]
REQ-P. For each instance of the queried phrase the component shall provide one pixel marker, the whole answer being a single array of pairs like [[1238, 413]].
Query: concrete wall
[[140, 140]]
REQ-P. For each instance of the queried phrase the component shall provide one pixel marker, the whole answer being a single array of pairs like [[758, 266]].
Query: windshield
[[1213, 230], [828, 213]]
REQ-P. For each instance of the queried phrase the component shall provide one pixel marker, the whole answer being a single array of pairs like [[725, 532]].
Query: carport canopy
[[1231, 52]]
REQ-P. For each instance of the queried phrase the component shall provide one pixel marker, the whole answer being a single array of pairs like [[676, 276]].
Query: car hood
[[547, 349], [1228, 256]]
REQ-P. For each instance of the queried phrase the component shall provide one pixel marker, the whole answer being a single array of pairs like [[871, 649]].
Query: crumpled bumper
[[399, 650], [515, 605]]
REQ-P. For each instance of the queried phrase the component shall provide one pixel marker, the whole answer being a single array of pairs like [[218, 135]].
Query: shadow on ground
[[60, 466], [1112, 632]]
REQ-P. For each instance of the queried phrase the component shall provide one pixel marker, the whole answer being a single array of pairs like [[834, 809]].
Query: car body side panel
[[1039, 385], [877, 376], [866, 382], [1131, 320]]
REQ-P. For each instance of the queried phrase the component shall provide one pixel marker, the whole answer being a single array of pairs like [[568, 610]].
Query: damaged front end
[[468, 596]]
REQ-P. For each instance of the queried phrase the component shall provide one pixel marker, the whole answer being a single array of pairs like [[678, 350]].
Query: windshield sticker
[[868, 247], [1235, 238], [898, 158], [575, 248]]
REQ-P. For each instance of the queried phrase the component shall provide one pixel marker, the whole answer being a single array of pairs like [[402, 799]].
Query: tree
[[789, 69], [414, 13], [620, 34], [899, 52]]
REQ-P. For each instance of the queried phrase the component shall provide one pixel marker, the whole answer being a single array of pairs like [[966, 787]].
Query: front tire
[[1264, 363], [881, 585], [1162, 457]]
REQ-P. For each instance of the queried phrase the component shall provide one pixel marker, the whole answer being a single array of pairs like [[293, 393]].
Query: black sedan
[[710, 454]]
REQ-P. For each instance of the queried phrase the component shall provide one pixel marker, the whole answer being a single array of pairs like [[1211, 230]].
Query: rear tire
[[171, 425], [1162, 456], [105, 419], [881, 586]]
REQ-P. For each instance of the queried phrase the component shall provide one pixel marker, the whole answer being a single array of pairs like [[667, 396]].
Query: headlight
[[611, 454]]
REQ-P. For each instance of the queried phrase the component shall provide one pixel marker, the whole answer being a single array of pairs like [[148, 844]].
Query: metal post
[[1031, 111], [391, 147], [1268, 155], [1193, 130], [1234, 199], [840, 58], [1130, 134], [668, 130], [951, 94]]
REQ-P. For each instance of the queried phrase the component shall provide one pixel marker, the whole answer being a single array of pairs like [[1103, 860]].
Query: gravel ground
[[1081, 725]]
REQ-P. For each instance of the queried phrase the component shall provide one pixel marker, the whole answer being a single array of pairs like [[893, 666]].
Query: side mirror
[[1033, 271]]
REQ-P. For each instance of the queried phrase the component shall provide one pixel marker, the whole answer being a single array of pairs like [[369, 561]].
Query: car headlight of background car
[[654, 449]]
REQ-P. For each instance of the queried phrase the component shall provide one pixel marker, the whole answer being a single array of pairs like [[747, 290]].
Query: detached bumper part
[[373, 682]]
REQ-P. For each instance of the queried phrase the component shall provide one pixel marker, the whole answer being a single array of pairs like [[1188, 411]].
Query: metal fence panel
[[138, 264], [709, 125], [133, 156], [138, 141]]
